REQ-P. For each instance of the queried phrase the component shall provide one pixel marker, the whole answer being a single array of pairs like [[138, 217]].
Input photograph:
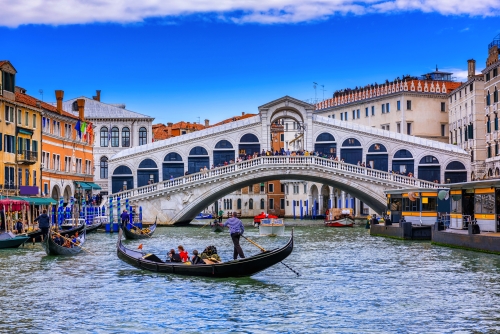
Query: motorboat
[[272, 227]]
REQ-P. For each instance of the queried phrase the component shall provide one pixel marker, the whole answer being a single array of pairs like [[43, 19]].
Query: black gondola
[[35, 236], [133, 235], [93, 227], [216, 226], [51, 248], [236, 268]]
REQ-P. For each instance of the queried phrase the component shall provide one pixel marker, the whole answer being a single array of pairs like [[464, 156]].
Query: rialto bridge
[[153, 175]]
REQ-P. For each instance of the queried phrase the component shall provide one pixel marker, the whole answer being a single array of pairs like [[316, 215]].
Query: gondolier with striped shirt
[[236, 229]]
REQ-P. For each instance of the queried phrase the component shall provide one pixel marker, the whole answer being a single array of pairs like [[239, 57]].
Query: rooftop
[[96, 109]]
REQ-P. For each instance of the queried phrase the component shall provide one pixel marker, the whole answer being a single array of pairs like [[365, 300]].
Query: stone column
[[320, 206], [342, 199], [358, 208], [332, 198]]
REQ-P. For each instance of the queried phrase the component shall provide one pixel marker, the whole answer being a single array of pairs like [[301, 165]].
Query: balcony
[[27, 157]]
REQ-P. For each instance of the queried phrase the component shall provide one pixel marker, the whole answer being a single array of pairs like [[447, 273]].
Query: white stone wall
[[493, 163]]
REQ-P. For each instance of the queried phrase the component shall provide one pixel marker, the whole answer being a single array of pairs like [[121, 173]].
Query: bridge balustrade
[[280, 161]]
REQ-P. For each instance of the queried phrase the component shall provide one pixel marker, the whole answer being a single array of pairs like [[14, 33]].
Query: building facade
[[20, 137], [116, 129], [467, 121], [414, 106], [492, 107]]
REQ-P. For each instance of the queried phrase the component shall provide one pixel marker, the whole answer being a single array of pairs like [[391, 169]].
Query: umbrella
[[443, 195], [14, 204]]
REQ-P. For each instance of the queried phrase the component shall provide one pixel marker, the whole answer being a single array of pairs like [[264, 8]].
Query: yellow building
[[20, 138]]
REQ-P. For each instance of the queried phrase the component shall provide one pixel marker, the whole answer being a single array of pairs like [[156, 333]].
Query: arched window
[[143, 136], [115, 137], [104, 136], [250, 204], [125, 137], [262, 203], [104, 167]]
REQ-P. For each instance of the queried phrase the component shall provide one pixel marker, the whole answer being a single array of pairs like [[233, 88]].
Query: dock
[[402, 231], [487, 242]]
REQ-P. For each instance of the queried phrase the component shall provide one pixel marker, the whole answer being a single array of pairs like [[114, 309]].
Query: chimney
[[170, 124], [242, 113], [471, 66], [81, 108], [207, 123], [98, 95], [59, 98]]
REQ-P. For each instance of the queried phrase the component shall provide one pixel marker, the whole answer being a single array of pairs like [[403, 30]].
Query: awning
[[40, 200], [94, 186], [83, 185], [25, 131]]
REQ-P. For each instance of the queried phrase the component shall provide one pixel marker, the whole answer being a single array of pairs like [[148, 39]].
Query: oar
[[85, 249], [263, 250]]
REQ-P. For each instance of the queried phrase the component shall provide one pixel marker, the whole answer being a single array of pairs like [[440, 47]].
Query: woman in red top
[[183, 254]]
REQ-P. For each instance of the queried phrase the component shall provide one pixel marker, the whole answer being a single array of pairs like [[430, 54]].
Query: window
[[19, 118], [295, 188], [366, 112], [26, 118], [262, 204], [143, 136], [282, 203], [67, 164], [271, 187], [271, 204], [305, 188], [115, 137], [19, 177], [250, 204], [45, 188], [9, 178], [398, 105], [354, 114], [387, 107], [1, 146], [26, 177], [385, 127], [34, 178], [487, 76], [282, 186], [333, 116], [345, 116], [126, 137], [9, 114], [471, 87], [78, 165], [443, 106], [35, 146], [104, 136], [495, 72], [262, 188], [282, 137], [357, 113], [383, 108], [408, 105], [9, 144], [408, 128], [238, 204], [341, 116], [373, 110], [443, 129], [488, 100], [9, 81], [34, 120], [495, 95], [398, 127], [250, 189], [104, 167]]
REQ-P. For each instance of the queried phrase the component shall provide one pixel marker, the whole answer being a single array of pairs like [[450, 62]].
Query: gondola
[[51, 248], [132, 235], [236, 268], [217, 227], [94, 226], [10, 240], [35, 236]]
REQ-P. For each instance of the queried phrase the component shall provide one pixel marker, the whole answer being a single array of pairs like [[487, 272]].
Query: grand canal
[[350, 283]]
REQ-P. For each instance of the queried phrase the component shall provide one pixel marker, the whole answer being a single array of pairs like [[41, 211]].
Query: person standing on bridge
[[236, 229]]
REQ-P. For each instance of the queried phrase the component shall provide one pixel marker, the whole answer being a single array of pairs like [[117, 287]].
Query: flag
[[140, 246], [83, 126], [109, 133], [77, 128]]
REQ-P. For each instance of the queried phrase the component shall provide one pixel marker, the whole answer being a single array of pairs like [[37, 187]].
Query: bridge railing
[[277, 161]]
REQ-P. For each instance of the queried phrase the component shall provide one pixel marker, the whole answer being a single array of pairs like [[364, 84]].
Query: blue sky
[[216, 64]]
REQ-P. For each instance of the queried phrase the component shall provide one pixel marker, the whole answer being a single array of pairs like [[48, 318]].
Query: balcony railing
[[28, 157]]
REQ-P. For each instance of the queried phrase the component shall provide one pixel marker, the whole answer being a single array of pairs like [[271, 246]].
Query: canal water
[[350, 283]]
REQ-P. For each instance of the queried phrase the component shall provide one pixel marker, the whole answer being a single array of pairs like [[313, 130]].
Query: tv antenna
[[198, 119], [314, 86], [41, 92], [324, 90]]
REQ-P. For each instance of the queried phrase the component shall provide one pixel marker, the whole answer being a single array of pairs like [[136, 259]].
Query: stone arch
[[325, 202], [173, 166], [490, 172], [351, 151], [403, 162], [223, 152], [55, 193], [198, 159], [377, 157], [429, 169], [122, 179], [325, 143], [248, 145], [147, 172], [497, 172], [455, 172], [67, 194]]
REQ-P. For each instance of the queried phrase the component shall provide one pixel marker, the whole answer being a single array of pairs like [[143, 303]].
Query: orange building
[[67, 151]]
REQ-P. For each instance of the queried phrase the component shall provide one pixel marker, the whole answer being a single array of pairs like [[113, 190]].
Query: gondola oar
[[263, 250], [85, 249]]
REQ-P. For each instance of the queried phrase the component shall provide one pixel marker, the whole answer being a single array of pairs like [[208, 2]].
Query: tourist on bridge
[[236, 229], [43, 223]]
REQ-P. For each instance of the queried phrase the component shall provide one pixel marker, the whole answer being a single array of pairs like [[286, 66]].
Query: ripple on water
[[350, 283]]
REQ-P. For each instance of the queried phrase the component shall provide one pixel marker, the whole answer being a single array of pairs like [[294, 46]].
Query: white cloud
[[53, 12], [458, 73]]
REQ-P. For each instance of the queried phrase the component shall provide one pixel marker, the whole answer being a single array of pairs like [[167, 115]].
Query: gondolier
[[236, 229], [43, 223], [125, 217]]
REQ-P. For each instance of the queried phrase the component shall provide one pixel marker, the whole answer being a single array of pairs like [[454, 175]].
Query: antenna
[[324, 90], [198, 119], [41, 92], [314, 86]]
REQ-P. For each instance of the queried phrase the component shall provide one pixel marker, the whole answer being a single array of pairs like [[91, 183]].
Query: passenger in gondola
[[173, 256], [58, 240], [196, 259], [183, 254], [67, 242]]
